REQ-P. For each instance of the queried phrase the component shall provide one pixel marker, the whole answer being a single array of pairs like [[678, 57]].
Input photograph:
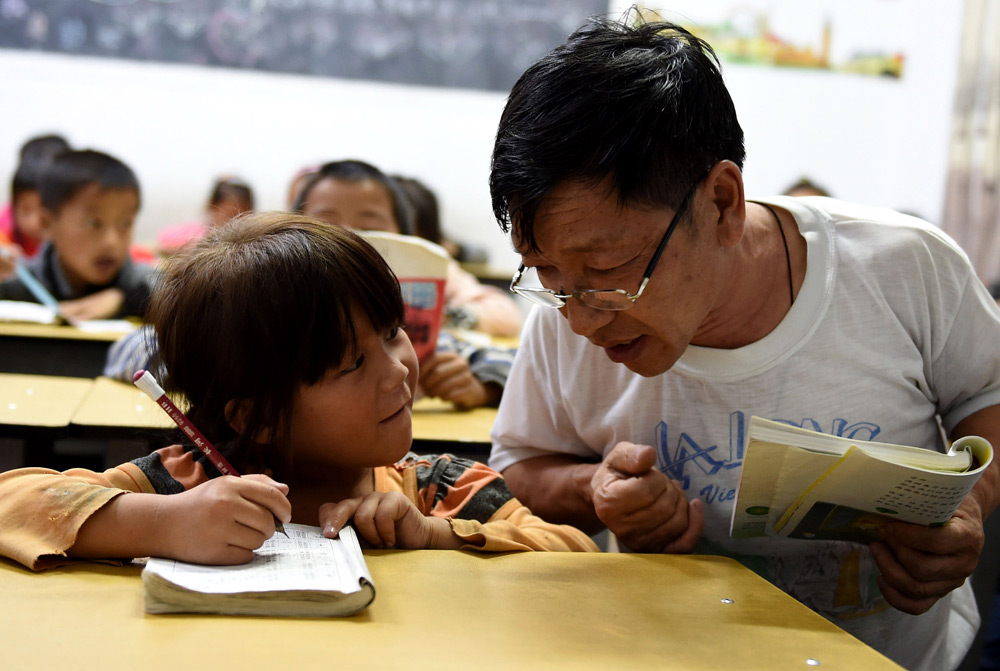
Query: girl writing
[[283, 334]]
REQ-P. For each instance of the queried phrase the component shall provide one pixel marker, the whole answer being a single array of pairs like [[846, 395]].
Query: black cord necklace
[[788, 256]]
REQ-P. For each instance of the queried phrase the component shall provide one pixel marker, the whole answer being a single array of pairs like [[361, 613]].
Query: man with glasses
[[671, 310]]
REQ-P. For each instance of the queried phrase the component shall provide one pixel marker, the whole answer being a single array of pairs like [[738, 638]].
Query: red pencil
[[148, 384]]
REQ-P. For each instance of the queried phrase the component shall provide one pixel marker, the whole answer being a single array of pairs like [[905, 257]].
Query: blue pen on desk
[[36, 288]]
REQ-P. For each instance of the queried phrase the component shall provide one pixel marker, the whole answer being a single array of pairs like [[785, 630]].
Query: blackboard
[[481, 44]]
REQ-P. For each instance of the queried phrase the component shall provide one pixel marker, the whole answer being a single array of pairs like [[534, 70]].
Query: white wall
[[872, 140], [180, 126], [879, 141]]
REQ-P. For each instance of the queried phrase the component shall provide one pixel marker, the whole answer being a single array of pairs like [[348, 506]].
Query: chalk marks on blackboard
[[483, 44]]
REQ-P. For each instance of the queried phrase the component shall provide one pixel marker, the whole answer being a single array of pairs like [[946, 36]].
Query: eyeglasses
[[603, 299]]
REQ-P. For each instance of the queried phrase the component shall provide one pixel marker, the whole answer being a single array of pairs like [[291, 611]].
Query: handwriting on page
[[309, 562]]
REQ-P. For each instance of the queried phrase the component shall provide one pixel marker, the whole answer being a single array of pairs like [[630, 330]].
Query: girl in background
[[359, 195]]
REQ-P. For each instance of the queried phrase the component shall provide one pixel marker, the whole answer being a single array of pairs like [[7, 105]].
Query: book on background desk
[[798, 483], [302, 575], [27, 312]]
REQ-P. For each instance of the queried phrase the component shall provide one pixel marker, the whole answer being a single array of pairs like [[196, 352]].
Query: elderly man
[[681, 309]]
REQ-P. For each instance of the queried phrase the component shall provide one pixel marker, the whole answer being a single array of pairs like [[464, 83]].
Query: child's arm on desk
[[221, 521], [44, 512], [104, 304]]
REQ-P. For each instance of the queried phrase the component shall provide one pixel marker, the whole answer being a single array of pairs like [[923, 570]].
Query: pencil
[[148, 384]]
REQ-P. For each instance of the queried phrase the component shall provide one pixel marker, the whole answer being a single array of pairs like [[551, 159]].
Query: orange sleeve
[[42, 510], [476, 501]]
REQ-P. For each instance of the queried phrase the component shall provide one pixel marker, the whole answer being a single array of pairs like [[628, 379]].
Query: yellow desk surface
[[440, 610], [61, 332], [437, 420], [112, 403], [40, 400]]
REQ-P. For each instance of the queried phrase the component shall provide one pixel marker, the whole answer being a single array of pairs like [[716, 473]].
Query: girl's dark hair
[[258, 307], [642, 105], [357, 171], [231, 187]]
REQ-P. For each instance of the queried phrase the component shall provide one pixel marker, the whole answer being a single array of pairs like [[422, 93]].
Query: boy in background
[[90, 201]]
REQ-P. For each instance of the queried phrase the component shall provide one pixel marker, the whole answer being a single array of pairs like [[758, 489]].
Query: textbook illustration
[[798, 483], [302, 575]]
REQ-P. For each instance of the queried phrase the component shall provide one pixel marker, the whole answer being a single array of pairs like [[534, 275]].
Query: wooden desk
[[444, 610], [438, 427], [43, 401], [46, 349], [115, 409], [37, 409]]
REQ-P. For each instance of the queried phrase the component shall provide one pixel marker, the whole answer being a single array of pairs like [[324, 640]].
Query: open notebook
[[302, 575]]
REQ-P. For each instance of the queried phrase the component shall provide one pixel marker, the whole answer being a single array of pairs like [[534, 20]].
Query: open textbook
[[798, 483], [301, 575]]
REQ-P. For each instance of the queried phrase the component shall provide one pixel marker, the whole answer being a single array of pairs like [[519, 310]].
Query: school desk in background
[[33, 342]]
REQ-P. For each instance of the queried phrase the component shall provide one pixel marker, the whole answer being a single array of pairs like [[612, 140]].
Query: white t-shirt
[[890, 330]]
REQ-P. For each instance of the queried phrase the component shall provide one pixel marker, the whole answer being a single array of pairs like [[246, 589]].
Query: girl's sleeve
[[514, 528], [42, 510], [481, 509]]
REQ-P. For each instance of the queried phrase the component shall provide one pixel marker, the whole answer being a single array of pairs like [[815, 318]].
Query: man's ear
[[237, 413], [724, 184]]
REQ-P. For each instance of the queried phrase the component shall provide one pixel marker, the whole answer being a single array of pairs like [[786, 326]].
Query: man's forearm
[[557, 489]]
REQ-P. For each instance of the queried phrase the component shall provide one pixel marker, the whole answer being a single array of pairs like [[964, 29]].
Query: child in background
[[300, 177], [21, 229], [359, 195], [312, 399], [230, 197], [90, 201], [427, 220]]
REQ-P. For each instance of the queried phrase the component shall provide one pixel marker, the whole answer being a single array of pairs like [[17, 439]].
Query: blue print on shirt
[[710, 459]]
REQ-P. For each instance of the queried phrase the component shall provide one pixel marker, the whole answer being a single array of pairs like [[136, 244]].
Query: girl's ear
[[237, 412], [238, 416]]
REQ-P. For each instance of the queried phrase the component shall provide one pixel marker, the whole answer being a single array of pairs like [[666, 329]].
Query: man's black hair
[[642, 105]]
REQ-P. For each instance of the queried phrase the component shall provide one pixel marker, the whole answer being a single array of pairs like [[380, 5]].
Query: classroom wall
[[179, 126], [873, 140]]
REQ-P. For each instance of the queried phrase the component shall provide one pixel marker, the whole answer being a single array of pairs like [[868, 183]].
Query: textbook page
[[305, 560], [305, 574], [860, 492], [793, 476]]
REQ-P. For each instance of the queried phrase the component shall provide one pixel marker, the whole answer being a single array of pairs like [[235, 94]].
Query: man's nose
[[584, 320]]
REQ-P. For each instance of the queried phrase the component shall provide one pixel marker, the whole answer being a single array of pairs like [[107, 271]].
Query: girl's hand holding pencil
[[149, 386], [221, 521]]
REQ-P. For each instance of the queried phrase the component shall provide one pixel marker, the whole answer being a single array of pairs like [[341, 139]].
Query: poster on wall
[[485, 44], [844, 36]]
